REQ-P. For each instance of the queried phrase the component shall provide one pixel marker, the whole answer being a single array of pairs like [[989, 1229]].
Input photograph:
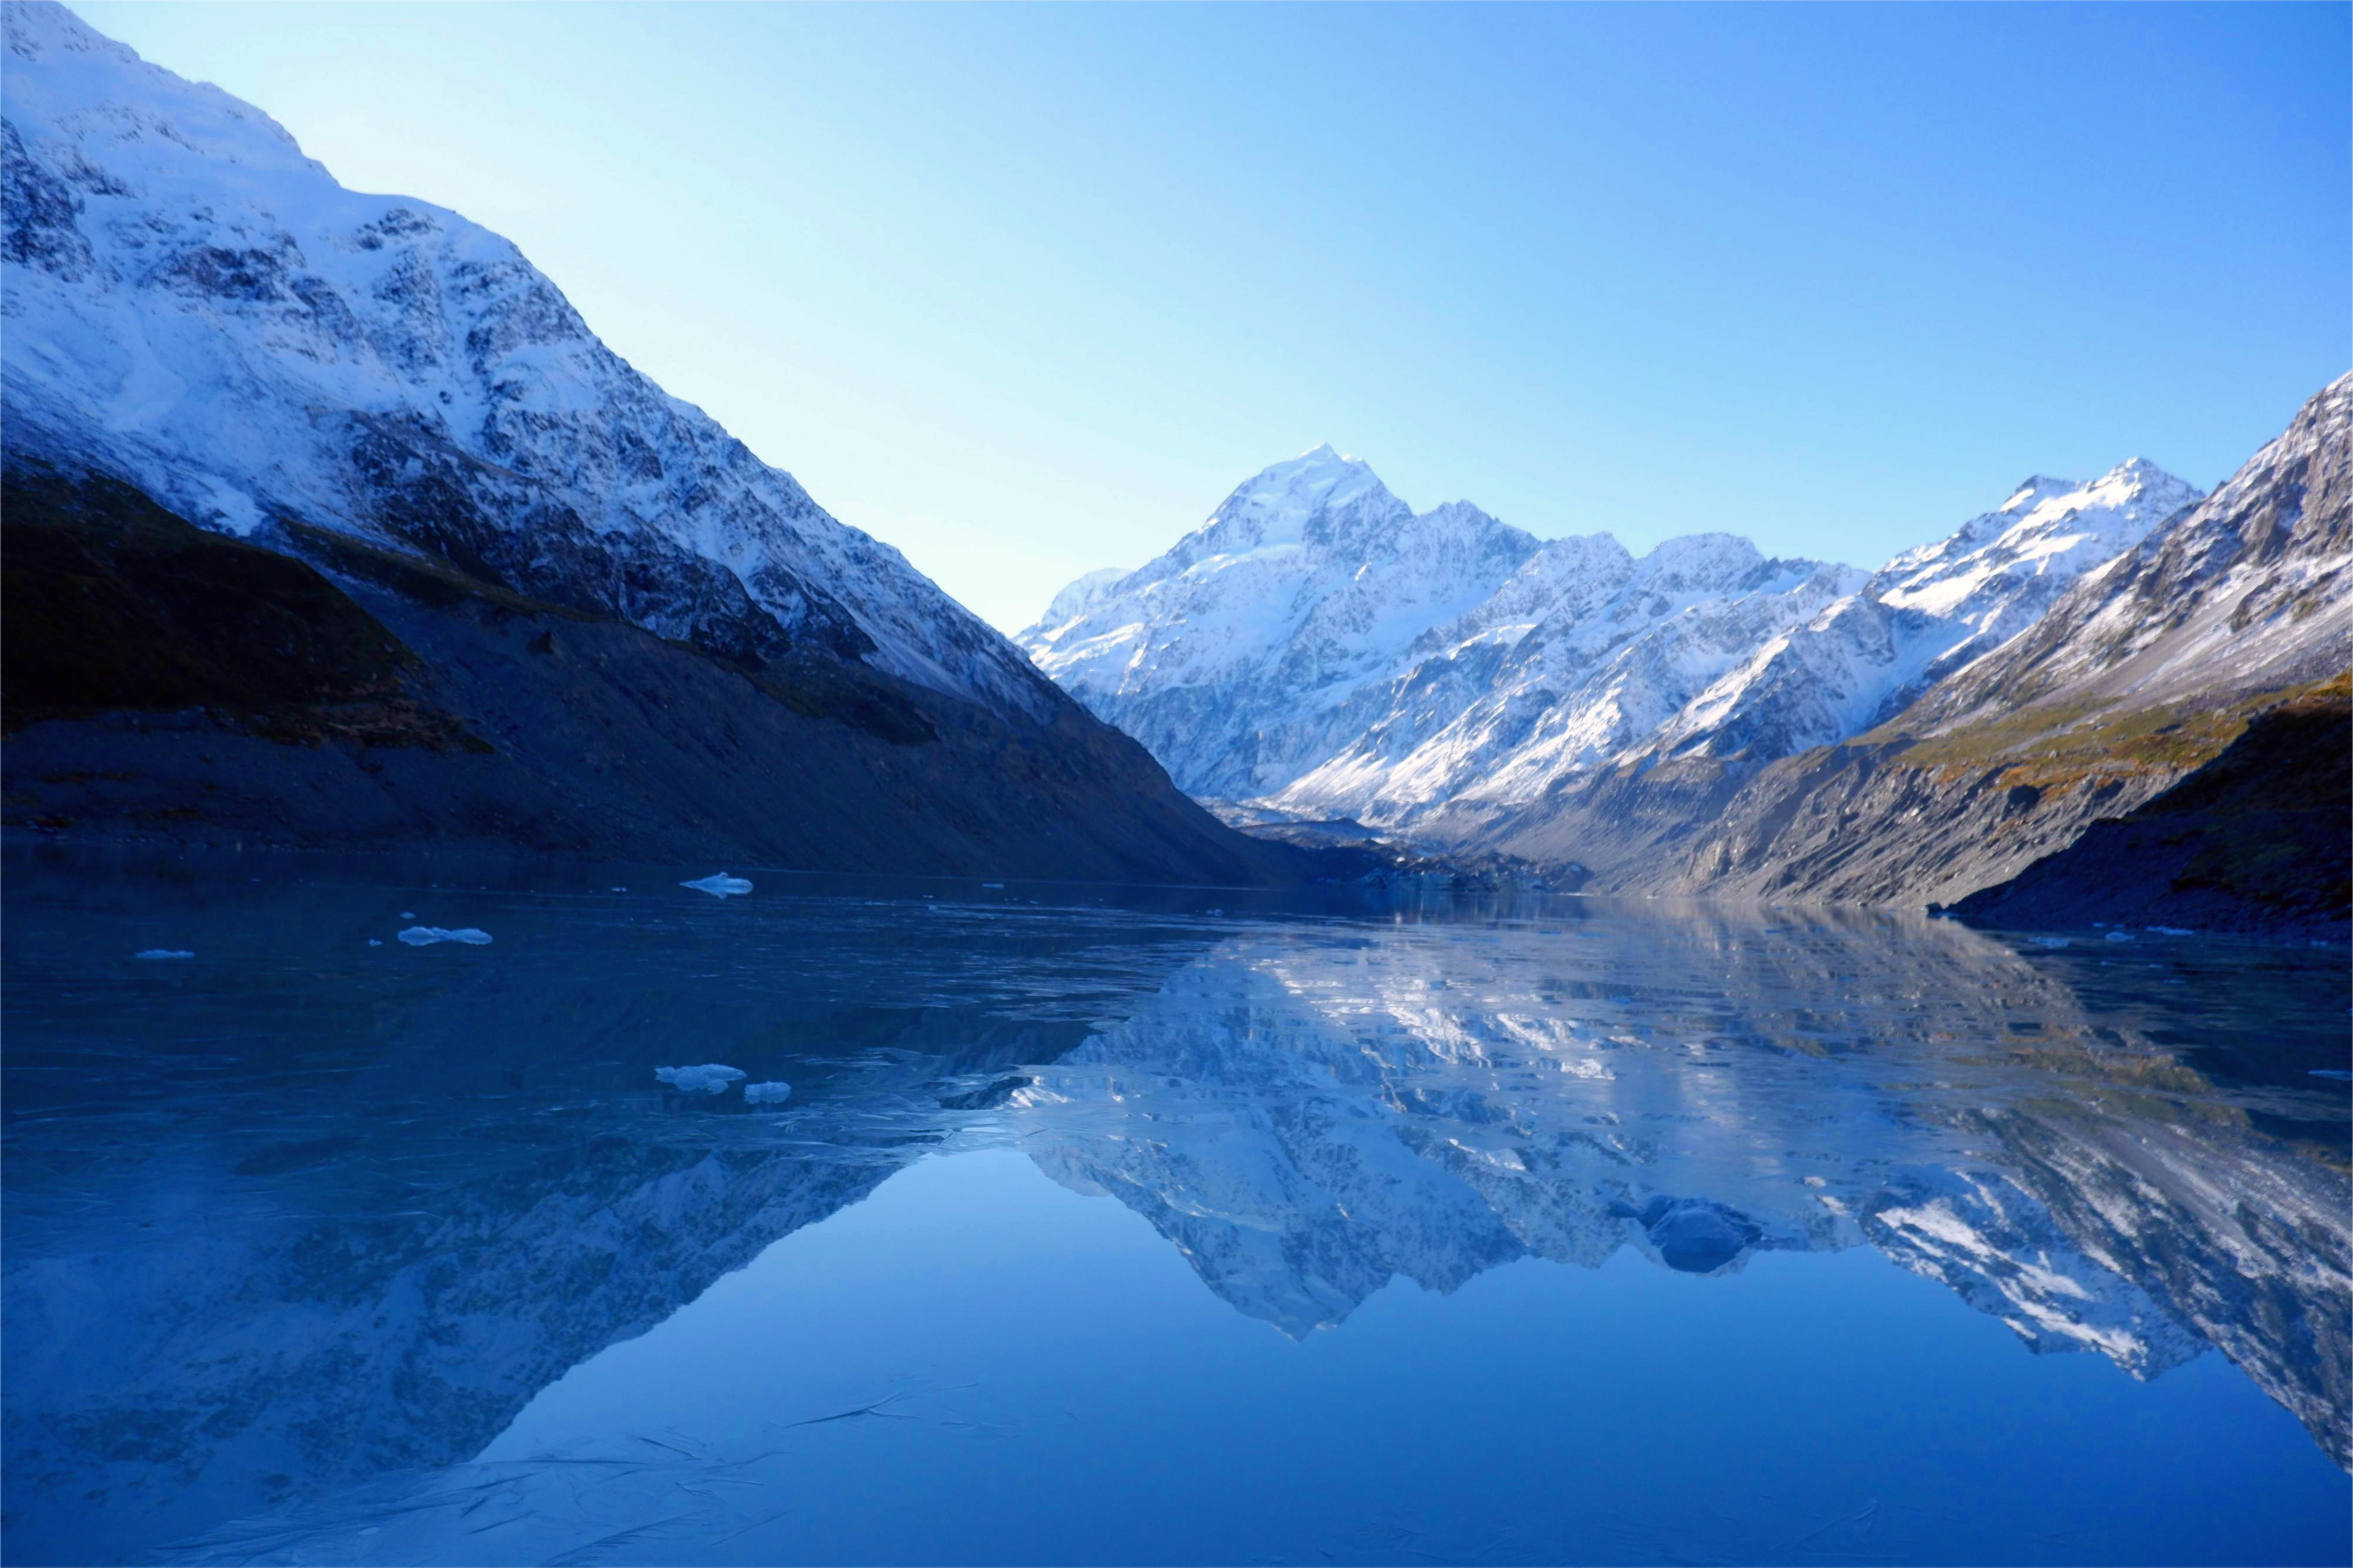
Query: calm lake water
[[1153, 1228]]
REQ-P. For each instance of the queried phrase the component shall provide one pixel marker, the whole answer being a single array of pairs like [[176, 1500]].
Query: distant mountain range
[[329, 523], [1706, 718], [540, 602]]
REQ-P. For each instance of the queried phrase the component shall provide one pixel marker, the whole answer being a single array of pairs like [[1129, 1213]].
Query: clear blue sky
[[1026, 290]]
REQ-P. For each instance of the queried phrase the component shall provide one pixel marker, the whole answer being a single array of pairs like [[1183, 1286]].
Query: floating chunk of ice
[[2120, 936], [375, 941], [2173, 931], [2050, 942], [2331, 1072], [720, 885], [408, 914], [767, 1093], [164, 952], [620, 889], [710, 1078], [992, 884], [425, 936]]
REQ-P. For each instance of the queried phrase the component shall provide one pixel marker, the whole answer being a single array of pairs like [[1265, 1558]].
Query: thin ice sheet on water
[[770, 1093], [425, 936], [720, 885], [710, 1078], [164, 952]]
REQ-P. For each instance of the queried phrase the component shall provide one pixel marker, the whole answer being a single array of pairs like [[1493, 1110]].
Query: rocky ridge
[[565, 612], [195, 307], [1294, 650], [2142, 674]]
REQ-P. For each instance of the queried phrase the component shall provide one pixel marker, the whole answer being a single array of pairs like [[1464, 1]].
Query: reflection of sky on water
[[319, 1251]]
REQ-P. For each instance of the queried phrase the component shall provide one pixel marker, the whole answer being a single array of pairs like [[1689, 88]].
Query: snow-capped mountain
[[1235, 657], [1585, 659], [194, 305], [2247, 591], [2144, 669], [1929, 611], [1320, 647]]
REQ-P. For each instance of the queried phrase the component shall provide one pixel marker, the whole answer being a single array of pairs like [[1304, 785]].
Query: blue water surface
[[1113, 1226]]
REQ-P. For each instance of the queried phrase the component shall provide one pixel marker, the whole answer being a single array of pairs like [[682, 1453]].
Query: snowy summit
[[1319, 646]]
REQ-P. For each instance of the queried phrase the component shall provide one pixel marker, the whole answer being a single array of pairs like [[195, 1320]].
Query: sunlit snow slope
[[1318, 645], [196, 306]]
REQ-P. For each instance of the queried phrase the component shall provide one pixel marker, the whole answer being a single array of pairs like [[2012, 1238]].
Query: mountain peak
[[1323, 463]]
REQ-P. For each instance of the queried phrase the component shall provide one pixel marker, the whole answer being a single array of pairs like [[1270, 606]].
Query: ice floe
[[425, 936], [767, 1093], [2120, 936], [720, 885], [160, 953], [710, 1078]]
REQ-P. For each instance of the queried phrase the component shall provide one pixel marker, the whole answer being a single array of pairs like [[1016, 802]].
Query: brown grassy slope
[[2260, 837]]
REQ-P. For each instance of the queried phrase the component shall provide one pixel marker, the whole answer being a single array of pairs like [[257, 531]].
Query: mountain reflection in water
[[297, 1228]]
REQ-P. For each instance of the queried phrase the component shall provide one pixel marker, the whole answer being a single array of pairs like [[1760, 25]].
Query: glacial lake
[[1130, 1226]]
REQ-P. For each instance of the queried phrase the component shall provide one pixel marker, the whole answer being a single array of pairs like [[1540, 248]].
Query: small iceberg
[[2331, 1072], [992, 884], [425, 936], [767, 1093], [2120, 936], [710, 1078], [158, 954], [720, 885], [408, 914], [2173, 931]]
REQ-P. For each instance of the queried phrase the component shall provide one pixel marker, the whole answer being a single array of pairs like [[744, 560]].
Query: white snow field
[[1321, 649]]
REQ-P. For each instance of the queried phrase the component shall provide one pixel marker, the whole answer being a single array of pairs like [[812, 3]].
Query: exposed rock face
[[1924, 614], [194, 306], [611, 628], [1247, 653], [1704, 720], [1589, 655], [2256, 839], [165, 682], [2142, 672], [1298, 648]]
